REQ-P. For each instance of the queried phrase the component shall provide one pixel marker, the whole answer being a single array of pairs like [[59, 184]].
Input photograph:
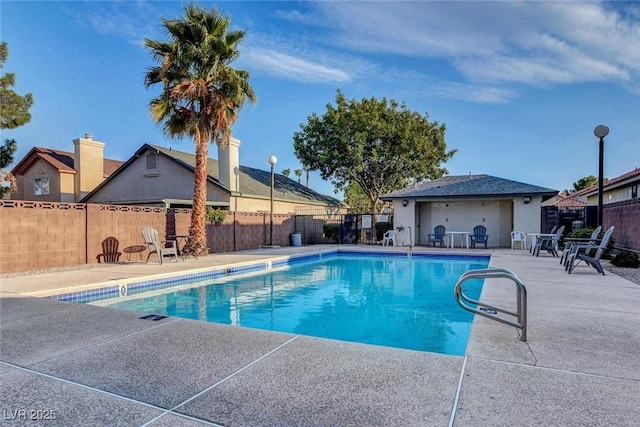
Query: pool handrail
[[495, 273]]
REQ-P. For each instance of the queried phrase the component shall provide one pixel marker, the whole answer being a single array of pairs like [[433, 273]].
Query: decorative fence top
[[27, 204]]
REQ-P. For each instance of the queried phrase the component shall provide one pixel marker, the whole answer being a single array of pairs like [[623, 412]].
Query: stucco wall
[[611, 196], [248, 204], [465, 215], [526, 216], [426, 227], [405, 216], [134, 184], [67, 194], [505, 223], [25, 183], [499, 216]]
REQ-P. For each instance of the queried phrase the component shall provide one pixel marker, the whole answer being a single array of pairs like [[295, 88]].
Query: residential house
[[621, 208], [618, 189], [462, 202], [164, 177], [59, 176]]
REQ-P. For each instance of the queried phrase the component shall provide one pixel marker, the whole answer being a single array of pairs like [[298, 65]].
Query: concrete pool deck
[[90, 365]]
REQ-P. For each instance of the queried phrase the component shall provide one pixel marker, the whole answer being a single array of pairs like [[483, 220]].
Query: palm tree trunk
[[200, 196]]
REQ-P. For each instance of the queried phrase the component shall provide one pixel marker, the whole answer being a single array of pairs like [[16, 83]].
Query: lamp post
[[600, 132], [272, 161]]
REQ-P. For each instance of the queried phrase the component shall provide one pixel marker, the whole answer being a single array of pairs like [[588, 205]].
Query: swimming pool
[[391, 301]]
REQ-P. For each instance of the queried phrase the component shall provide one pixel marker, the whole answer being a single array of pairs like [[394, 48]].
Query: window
[[634, 191], [151, 166], [41, 186]]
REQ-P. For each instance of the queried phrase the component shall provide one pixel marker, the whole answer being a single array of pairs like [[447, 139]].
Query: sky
[[520, 86]]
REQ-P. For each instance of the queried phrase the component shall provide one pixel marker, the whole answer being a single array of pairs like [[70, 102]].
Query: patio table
[[181, 241], [464, 237], [133, 250], [534, 236]]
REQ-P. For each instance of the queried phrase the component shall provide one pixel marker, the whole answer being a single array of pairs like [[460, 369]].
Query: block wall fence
[[39, 235], [626, 217]]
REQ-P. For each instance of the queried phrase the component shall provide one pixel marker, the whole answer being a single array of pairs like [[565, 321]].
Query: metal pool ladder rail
[[491, 311]]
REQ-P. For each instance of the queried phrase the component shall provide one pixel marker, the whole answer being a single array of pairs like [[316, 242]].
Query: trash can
[[296, 239]]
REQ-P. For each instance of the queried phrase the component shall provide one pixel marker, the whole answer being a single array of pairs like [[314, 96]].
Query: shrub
[[216, 216], [583, 233], [331, 232], [381, 228], [626, 259]]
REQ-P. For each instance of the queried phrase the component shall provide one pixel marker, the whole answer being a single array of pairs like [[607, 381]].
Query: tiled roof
[[466, 186], [609, 183], [61, 160], [569, 202], [255, 182]]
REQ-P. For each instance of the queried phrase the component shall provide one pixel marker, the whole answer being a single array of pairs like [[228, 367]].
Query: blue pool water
[[390, 301]]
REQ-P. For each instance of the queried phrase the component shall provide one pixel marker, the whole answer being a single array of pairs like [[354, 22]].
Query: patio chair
[[437, 236], [593, 261], [479, 236], [157, 246], [571, 246], [389, 238], [549, 244], [518, 237], [110, 252]]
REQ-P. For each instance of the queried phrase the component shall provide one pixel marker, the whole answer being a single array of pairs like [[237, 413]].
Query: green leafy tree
[[380, 145], [356, 199], [584, 182], [14, 112], [286, 172], [201, 93], [6, 158]]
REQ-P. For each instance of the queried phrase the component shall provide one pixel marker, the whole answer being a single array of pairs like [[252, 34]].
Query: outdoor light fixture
[[526, 199], [600, 132], [405, 203], [272, 161]]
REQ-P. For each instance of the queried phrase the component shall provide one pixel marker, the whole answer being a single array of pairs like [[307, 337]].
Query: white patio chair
[[157, 246], [389, 238], [518, 237]]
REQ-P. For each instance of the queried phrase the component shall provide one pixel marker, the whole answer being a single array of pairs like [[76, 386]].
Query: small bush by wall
[[626, 259]]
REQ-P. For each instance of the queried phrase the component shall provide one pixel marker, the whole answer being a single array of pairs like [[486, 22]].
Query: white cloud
[[132, 20], [283, 65], [476, 93], [491, 46], [532, 43]]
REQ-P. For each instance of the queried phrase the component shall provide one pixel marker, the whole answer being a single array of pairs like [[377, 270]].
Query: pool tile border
[[128, 288]]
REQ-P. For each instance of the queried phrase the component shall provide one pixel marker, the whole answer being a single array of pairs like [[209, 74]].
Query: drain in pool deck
[[154, 317]]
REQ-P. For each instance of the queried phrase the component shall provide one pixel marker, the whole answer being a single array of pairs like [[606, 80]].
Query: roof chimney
[[88, 161], [229, 165]]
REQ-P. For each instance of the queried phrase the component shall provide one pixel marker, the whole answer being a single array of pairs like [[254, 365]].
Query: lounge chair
[[570, 246], [593, 261], [549, 244], [437, 236], [110, 252], [157, 246], [389, 238], [518, 237], [479, 236]]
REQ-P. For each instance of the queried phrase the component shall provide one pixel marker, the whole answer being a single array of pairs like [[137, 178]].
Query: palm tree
[[201, 93], [298, 173]]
